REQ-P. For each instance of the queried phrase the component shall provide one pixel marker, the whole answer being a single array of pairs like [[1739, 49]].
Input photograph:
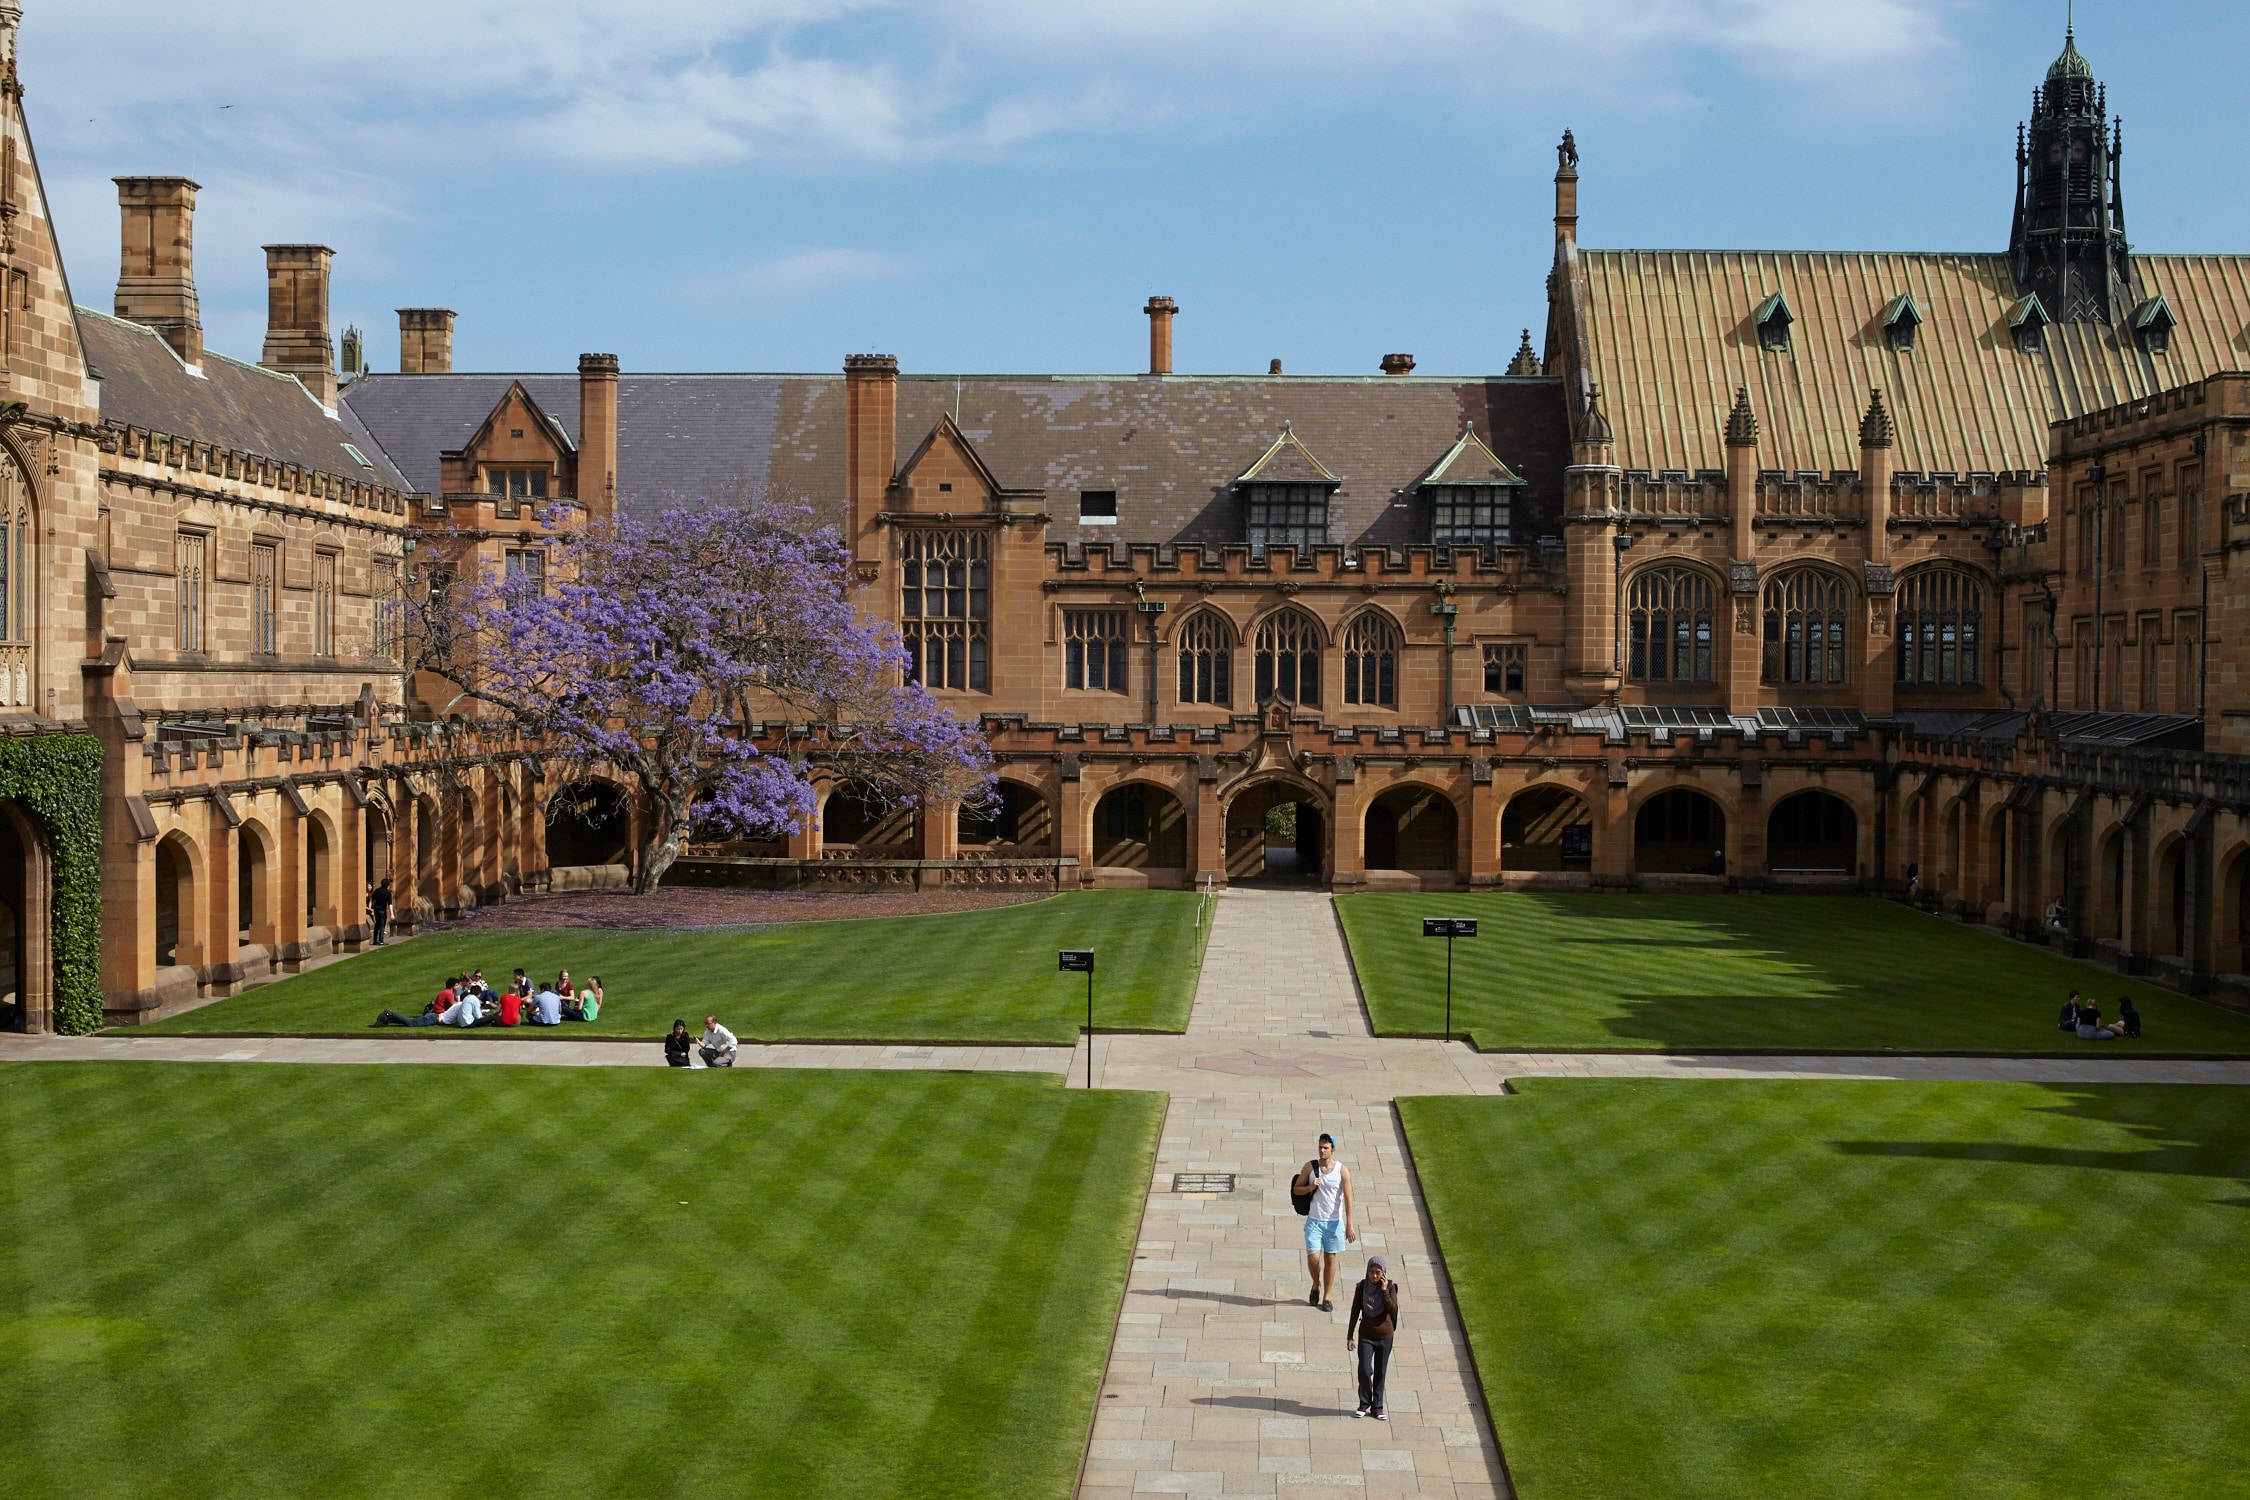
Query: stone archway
[[1141, 826], [854, 816], [1680, 831], [588, 823], [1277, 830], [26, 922], [1015, 819], [1547, 828], [1812, 833], [2168, 934], [1415, 830]]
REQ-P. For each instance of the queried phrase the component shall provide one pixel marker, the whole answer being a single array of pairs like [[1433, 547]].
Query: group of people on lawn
[[2084, 1017], [467, 1000]]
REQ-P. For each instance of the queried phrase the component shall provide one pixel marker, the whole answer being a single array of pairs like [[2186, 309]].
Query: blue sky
[[998, 186]]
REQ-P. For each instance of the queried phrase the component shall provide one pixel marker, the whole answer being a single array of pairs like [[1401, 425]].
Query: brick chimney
[[297, 341], [425, 341], [597, 434], [1398, 364], [1160, 311], [870, 446], [156, 265]]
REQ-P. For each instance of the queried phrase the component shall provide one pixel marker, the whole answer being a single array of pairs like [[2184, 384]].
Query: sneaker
[[1379, 1415], [1361, 1412]]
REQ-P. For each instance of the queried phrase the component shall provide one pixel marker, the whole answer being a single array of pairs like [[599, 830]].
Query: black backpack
[[1302, 1202]]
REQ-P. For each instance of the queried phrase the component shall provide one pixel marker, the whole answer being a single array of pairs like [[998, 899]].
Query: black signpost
[[1448, 928], [1081, 961]]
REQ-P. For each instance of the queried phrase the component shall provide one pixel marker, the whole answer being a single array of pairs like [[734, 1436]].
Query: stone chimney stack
[[425, 341], [1160, 311], [597, 434], [156, 265], [870, 448], [297, 341], [1398, 364]]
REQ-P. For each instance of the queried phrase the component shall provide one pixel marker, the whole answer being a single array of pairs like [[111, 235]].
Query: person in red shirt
[[511, 1008]]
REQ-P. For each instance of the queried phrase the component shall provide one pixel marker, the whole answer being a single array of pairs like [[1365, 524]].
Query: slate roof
[[1469, 461], [1170, 446], [231, 405], [1670, 334]]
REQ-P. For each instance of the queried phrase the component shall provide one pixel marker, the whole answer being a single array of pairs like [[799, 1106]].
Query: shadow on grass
[[2215, 1146]]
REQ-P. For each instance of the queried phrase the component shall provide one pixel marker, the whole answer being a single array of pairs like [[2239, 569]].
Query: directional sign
[[1081, 960], [1449, 927]]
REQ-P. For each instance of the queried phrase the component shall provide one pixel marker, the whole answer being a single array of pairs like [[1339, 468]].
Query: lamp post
[[1623, 543]]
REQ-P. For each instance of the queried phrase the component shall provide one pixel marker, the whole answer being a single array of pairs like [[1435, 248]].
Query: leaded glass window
[[1371, 649], [1287, 658], [1669, 625], [1940, 621], [1206, 648], [1468, 515], [1285, 515], [1094, 649], [945, 582], [1805, 627]]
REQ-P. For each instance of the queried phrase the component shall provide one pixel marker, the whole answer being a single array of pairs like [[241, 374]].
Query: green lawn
[[1741, 973], [270, 1280], [1836, 1290], [978, 976]]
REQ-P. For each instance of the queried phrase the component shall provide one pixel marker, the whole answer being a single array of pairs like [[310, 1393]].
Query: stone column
[[1484, 826], [1210, 824], [1878, 664], [1745, 655]]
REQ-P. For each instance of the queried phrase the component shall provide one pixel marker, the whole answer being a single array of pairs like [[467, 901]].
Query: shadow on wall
[[2210, 1143]]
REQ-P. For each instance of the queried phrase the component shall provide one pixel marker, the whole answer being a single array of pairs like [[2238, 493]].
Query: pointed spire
[[1742, 423], [1875, 428], [1526, 361], [1593, 424]]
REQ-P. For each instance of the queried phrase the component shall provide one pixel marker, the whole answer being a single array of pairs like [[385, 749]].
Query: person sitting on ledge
[[2128, 1019]]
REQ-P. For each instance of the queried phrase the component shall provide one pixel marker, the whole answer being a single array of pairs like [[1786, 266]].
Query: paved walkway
[[571, 1053], [1222, 1379]]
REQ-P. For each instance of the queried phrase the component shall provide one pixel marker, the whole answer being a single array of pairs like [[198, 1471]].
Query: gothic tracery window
[[1206, 650], [1094, 649], [16, 575], [1669, 625], [1371, 649], [945, 581], [1287, 661], [1940, 620], [1805, 627]]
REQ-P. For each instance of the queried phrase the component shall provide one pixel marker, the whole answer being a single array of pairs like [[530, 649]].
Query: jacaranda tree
[[648, 649]]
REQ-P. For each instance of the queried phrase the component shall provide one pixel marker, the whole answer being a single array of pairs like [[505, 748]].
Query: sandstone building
[[1762, 570]]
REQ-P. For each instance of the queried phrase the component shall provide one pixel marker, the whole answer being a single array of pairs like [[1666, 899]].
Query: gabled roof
[[1900, 309], [229, 405], [517, 388], [1670, 334], [947, 430], [1469, 461], [1288, 461], [2153, 312]]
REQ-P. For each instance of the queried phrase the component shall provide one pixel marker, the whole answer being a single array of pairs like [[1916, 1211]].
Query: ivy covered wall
[[58, 778]]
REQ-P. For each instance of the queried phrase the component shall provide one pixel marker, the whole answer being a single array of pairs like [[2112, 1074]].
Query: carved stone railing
[[876, 874]]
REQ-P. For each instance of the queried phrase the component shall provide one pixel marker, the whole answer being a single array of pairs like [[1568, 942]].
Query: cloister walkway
[[1221, 1378]]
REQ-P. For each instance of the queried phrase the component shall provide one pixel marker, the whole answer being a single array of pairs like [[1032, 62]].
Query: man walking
[[379, 909], [1328, 1223], [1374, 1320], [718, 1044]]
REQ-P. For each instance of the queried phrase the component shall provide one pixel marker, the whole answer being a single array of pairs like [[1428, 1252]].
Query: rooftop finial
[[1875, 428], [1742, 423]]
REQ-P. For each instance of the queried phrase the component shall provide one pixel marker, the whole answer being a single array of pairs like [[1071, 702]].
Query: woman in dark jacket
[[1374, 1319], [677, 1045]]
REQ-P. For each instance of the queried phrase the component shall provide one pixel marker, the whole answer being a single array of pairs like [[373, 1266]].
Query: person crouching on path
[[1328, 1224], [718, 1044], [677, 1045], [1374, 1319]]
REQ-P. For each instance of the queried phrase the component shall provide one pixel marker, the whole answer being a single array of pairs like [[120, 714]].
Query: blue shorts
[[1324, 1236]]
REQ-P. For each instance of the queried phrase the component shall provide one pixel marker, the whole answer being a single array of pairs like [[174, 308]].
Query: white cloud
[[817, 270]]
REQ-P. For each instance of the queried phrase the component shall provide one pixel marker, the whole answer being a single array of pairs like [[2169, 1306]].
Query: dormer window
[[1900, 321], [1471, 495], [1773, 318], [2028, 321], [510, 488], [1285, 498], [1097, 507], [2152, 325]]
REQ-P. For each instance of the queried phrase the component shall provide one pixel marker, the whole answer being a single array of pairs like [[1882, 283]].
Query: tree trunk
[[660, 843]]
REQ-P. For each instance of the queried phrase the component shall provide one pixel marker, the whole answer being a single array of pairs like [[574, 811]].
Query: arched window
[[1206, 648], [1371, 647], [1670, 625], [1288, 659], [1940, 622], [1805, 627], [16, 574]]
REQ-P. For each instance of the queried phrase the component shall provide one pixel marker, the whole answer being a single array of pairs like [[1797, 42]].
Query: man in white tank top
[[1328, 1224]]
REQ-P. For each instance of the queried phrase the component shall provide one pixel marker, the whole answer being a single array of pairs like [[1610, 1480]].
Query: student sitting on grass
[[2068, 1020], [678, 1045], [2128, 1019], [521, 984], [563, 986], [2090, 1027], [588, 1005], [546, 1009], [511, 1007], [430, 1013], [465, 1011]]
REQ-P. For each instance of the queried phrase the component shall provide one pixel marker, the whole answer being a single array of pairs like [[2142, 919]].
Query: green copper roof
[[2072, 63]]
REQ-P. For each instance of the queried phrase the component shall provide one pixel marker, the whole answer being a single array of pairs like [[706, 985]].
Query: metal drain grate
[[1202, 1182]]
